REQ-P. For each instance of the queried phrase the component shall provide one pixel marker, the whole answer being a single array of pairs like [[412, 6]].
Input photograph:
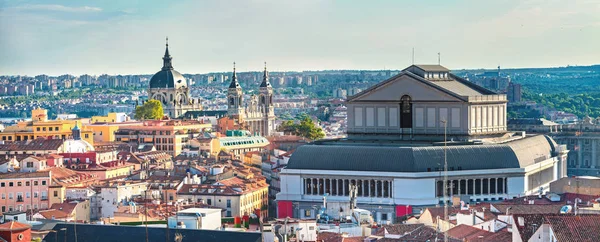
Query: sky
[[128, 37]]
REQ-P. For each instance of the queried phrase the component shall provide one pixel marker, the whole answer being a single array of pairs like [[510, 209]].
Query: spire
[[265, 82], [234, 82], [167, 65]]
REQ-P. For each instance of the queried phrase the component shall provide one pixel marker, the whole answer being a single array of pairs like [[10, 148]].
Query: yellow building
[[105, 132], [40, 126], [166, 135], [110, 118]]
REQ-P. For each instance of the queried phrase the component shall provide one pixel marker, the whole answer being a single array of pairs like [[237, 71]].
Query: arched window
[[262, 100], [406, 112], [231, 101]]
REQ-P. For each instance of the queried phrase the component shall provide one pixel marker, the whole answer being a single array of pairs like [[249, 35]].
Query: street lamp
[[64, 229], [55, 234]]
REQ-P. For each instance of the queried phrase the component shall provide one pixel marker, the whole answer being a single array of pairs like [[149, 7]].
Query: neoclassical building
[[257, 114], [170, 88], [396, 149]]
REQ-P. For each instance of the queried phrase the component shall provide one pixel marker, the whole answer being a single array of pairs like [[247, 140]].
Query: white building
[[113, 195], [197, 218], [395, 150]]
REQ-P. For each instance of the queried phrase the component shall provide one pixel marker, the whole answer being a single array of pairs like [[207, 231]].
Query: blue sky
[[127, 37]]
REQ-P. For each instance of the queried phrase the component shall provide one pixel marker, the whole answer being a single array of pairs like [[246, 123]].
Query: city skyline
[[70, 37]]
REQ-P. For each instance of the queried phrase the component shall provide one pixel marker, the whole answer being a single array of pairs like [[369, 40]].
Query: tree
[[152, 109], [306, 128]]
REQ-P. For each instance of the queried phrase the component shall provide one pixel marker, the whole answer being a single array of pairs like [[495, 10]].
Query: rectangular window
[[228, 203], [381, 117], [444, 115], [495, 117], [358, 116], [35, 194], [431, 120], [2, 184], [307, 213], [455, 117], [209, 201], [489, 117], [10, 195], [30, 164], [3, 195], [38, 128], [370, 117], [27, 183], [43, 183], [10, 184], [483, 116], [502, 116], [55, 193], [35, 183], [478, 117], [419, 119], [393, 117], [27, 195]]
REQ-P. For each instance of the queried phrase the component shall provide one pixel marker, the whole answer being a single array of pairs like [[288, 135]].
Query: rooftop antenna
[[413, 55], [439, 58]]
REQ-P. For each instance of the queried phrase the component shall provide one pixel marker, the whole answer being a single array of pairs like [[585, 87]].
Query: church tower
[[234, 96], [266, 104], [170, 88]]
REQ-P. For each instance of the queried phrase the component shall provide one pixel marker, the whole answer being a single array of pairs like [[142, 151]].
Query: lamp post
[[64, 229], [445, 178], [55, 234]]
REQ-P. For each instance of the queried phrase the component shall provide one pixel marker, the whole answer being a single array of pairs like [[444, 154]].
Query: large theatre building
[[395, 151]]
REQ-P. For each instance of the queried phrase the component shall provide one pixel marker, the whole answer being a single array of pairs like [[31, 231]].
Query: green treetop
[[152, 109]]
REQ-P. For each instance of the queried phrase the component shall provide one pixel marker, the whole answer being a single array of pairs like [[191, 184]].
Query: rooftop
[[406, 158]]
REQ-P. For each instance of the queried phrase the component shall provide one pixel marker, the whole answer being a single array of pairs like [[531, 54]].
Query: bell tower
[[266, 104], [234, 96]]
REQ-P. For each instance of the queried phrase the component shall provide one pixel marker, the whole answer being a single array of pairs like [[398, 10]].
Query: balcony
[[19, 199], [44, 198]]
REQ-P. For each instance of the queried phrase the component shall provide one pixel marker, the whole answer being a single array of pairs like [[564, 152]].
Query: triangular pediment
[[405, 84]]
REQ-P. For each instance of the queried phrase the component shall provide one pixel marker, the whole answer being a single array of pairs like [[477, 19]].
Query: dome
[[168, 79], [77, 146]]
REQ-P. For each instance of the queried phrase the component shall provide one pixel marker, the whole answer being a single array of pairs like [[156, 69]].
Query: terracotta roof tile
[[14, 226]]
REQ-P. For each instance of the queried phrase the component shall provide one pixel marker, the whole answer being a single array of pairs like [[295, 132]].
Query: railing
[[19, 199], [44, 198]]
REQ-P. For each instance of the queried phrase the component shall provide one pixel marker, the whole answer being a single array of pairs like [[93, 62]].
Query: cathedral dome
[[167, 77]]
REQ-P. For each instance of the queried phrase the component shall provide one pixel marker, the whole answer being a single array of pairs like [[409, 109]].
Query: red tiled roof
[[14, 226], [65, 207], [469, 233], [529, 208], [53, 213], [21, 175], [569, 228], [36, 144]]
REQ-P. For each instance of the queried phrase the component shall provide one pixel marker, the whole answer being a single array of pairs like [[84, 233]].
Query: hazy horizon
[[128, 37]]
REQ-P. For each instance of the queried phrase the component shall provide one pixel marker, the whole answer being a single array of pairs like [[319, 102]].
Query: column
[[579, 153], [481, 186], [330, 186], [593, 161], [367, 189], [489, 184], [343, 189], [459, 186], [391, 189], [318, 186]]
